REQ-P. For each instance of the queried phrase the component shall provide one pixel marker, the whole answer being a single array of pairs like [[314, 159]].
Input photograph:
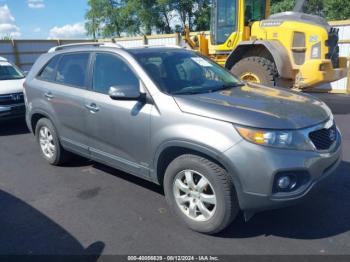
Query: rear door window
[[72, 70]]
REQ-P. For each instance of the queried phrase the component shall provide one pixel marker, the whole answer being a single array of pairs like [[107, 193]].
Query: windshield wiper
[[232, 86], [205, 91], [226, 87], [189, 92]]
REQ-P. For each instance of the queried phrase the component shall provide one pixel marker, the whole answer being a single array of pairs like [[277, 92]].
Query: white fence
[[171, 39], [25, 52]]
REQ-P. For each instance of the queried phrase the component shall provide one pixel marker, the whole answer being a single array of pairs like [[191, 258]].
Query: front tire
[[49, 144], [256, 69], [201, 193]]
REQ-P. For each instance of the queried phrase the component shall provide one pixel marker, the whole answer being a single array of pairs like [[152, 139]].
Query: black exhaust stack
[[299, 6]]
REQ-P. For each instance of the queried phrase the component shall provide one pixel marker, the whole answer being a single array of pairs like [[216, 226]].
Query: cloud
[[36, 29], [36, 4], [5, 15], [8, 27], [68, 31]]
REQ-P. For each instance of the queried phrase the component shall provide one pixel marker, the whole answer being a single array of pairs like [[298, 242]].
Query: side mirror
[[126, 92]]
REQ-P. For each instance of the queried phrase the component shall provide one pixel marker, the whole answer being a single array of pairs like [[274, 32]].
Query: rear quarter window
[[48, 73]]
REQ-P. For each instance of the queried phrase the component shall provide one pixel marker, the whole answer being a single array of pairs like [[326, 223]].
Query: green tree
[[109, 18], [315, 7], [94, 18], [278, 6], [337, 9], [119, 18], [185, 10], [6, 37], [329, 9], [202, 15], [144, 13], [166, 8]]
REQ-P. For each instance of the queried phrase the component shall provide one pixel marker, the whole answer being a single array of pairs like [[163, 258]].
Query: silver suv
[[173, 117]]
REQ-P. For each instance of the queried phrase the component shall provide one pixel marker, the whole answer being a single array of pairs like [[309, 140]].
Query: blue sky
[[42, 19]]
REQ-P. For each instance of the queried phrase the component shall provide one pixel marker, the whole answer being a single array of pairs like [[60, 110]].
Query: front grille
[[323, 139], [332, 43], [11, 99]]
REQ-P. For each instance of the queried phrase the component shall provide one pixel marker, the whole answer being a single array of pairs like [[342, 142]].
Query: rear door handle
[[49, 95], [93, 108]]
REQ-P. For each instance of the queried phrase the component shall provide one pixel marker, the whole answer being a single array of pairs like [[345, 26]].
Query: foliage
[[329, 9], [109, 18], [94, 18], [337, 9], [6, 38], [202, 16], [278, 6]]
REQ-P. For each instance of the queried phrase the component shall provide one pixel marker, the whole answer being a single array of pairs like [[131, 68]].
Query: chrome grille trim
[[10, 99]]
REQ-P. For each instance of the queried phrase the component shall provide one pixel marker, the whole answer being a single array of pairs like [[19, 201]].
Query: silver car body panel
[[254, 106]]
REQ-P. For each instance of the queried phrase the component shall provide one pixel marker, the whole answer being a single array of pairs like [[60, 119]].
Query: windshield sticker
[[201, 61], [5, 64]]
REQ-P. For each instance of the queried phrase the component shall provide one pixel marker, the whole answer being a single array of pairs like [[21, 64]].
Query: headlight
[[275, 138]]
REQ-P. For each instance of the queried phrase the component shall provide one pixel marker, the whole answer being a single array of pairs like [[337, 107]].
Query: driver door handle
[[93, 108]]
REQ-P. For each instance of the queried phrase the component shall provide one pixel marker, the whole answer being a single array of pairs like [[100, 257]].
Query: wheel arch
[[272, 50], [35, 117], [171, 150]]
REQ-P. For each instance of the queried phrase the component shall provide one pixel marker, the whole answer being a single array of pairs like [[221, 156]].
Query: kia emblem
[[16, 97], [332, 135]]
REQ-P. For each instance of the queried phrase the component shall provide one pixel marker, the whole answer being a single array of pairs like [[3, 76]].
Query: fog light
[[284, 182], [290, 181]]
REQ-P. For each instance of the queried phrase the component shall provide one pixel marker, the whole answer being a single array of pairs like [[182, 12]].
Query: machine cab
[[231, 19]]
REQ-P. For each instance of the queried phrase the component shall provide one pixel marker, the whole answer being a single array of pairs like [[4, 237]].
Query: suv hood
[[11, 86], [257, 106]]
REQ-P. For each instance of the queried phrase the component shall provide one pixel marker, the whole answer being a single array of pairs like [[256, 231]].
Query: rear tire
[[49, 144], [210, 181], [255, 67]]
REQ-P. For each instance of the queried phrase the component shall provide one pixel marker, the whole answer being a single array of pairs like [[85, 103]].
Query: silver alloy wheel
[[194, 195], [46, 141]]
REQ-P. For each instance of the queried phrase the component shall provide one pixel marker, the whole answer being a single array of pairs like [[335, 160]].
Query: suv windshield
[[9, 72], [184, 72]]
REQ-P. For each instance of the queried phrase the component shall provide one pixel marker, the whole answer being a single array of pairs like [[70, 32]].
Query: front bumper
[[255, 167], [12, 111], [318, 71]]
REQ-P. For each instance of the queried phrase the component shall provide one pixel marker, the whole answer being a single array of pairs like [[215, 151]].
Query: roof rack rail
[[160, 45], [95, 44]]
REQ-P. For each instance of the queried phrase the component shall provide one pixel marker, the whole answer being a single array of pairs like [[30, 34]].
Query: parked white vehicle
[[11, 91]]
